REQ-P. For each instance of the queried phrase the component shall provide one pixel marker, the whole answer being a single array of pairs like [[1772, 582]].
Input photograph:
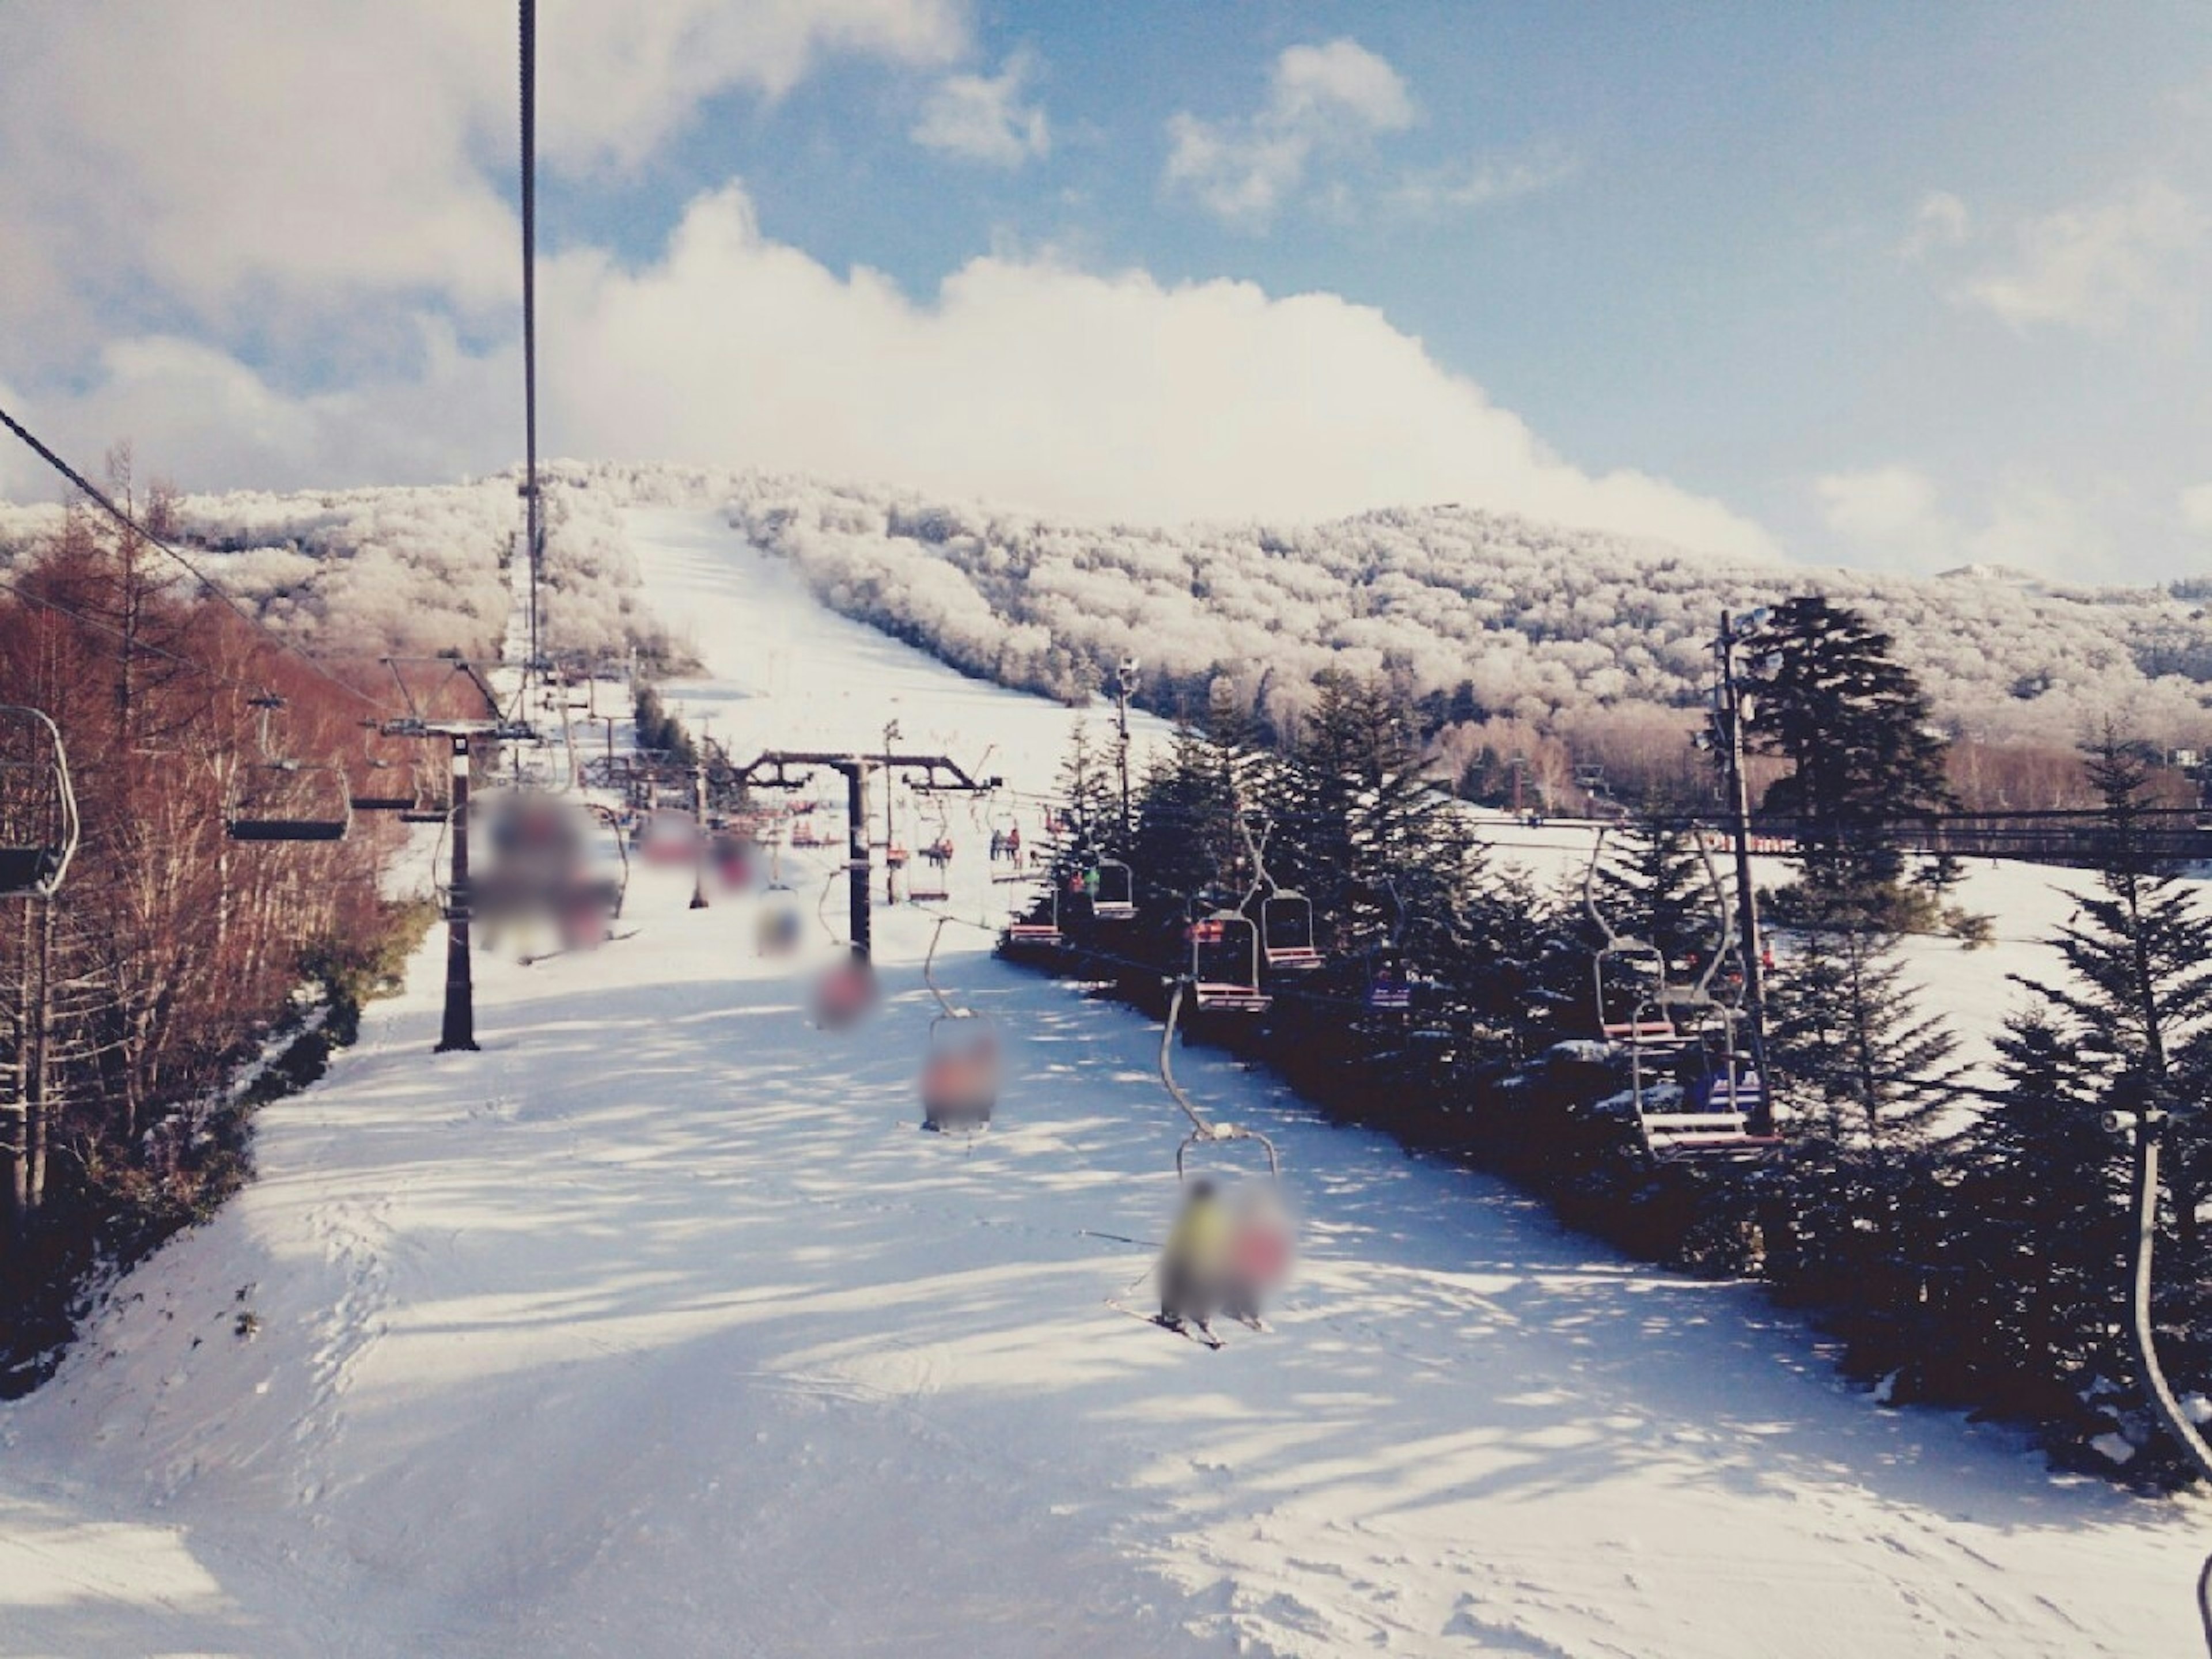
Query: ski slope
[[657, 1328]]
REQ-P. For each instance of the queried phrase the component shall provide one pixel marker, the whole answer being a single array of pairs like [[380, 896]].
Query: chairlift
[[1115, 898], [1388, 985], [1287, 932], [1721, 1097], [1037, 930], [373, 789], [1225, 963], [936, 885], [375, 793], [960, 1070], [1203, 1131], [282, 800], [1717, 1093], [38, 827], [276, 799], [1285, 916]]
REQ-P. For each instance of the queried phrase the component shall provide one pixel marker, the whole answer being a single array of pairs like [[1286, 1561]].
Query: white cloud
[[1339, 82], [1479, 181], [241, 159], [1942, 222], [1320, 99], [1887, 516], [982, 118], [2097, 268], [1026, 382], [2035, 527], [1891, 518], [2196, 503]]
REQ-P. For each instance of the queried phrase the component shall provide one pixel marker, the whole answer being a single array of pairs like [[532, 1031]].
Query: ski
[[1198, 1333]]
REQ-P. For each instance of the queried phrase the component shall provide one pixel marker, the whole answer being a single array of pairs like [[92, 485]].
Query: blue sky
[[1898, 285]]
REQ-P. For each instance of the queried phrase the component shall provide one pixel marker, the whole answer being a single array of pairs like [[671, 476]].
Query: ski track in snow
[[658, 1327]]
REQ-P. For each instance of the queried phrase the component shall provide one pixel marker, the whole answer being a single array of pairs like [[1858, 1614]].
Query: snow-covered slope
[[657, 1328]]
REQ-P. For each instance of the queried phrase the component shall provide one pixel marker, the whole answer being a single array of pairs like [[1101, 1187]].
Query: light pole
[[1730, 711], [1124, 686], [891, 734]]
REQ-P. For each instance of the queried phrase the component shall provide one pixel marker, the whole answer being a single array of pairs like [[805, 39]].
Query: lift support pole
[[773, 770], [856, 857], [459, 1029]]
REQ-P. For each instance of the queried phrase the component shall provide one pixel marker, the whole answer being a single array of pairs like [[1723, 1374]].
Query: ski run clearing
[[659, 1327]]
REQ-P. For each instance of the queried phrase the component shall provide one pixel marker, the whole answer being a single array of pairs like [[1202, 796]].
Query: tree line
[[173, 955], [1966, 1239]]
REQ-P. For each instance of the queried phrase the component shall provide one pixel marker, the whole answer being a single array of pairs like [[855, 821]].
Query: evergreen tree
[[1656, 886], [1828, 696], [1363, 821], [2039, 1228], [2139, 956], [1847, 1031]]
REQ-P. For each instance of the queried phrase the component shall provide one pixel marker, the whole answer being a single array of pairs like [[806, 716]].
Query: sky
[[1892, 285]]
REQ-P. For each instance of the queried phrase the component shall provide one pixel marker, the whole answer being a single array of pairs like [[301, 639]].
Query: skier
[[1014, 843], [1257, 1253], [1192, 1264]]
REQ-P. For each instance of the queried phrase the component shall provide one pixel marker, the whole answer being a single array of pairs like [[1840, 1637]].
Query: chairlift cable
[[92, 493]]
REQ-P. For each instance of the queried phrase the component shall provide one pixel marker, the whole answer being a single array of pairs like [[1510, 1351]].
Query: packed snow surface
[[659, 1327]]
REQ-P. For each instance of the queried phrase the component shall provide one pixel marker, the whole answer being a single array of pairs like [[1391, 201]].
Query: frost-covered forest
[[1556, 632], [411, 571], [1541, 624]]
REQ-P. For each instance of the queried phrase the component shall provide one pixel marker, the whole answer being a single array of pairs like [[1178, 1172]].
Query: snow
[[658, 1327]]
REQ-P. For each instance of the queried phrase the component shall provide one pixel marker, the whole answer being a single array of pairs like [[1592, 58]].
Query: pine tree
[[2139, 955], [2038, 1227], [1845, 1028], [1657, 887], [1853, 723], [1364, 824]]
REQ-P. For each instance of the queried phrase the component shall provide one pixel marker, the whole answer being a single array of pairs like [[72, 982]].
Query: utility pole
[[1124, 684], [459, 1029], [698, 839], [1729, 710]]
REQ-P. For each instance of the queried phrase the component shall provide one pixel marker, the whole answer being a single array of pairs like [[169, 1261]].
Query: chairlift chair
[[1390, 983], [932, 884], [1716, 1107], [1387, 982], [1285, 916], [960, 1070], [38, 827], [1286, 932], [1203, 1131], [374, 793], [1044, 931], [1116, 897], [276, 799], [1225, 963], [373, 789], [1719, 1102], [282, 800]]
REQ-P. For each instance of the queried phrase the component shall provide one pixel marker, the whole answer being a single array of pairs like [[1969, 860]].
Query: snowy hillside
[[657, 1328], [1542, 624]]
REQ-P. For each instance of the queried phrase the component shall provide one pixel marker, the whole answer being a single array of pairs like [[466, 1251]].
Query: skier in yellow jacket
[[1194, 1266]]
